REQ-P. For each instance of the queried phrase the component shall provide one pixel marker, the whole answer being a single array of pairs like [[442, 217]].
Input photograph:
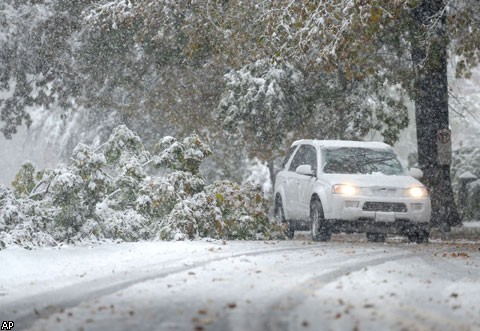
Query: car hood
[[371, 180]]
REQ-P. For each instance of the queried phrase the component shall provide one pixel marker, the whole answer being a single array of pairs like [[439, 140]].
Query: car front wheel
[[320, 230]]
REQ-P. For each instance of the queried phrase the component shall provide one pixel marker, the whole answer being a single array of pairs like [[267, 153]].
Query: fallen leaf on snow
[[461, 254]]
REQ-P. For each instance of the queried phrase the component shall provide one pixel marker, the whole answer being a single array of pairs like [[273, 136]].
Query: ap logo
[[7, 325]]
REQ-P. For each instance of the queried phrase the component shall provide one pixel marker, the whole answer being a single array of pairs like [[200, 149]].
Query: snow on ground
[[472, 224], [216, 285]]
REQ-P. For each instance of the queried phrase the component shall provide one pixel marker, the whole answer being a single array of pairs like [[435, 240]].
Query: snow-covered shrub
[[6, 204], [90, 166], [125, 224], [121, 191], [156, 198], [12, 210], [59, 202], [27, 235], [243, 209], [122, 145], [126, 185], [185, 183], [224, 210], [21, 222], [193, 218], [182, 156], [26, 179]]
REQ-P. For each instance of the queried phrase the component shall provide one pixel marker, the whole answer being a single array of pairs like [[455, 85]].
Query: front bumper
[[388, 210]]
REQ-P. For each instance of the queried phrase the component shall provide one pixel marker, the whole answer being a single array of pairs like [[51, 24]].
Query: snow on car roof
[[343, 143]]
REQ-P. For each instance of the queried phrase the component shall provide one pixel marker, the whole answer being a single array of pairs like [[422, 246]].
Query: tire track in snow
[[257, 316], [280, 319], [26, 310]]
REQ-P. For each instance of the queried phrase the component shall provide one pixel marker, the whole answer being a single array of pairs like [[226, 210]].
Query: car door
[[283, 181], [292, 187], [306, 183]]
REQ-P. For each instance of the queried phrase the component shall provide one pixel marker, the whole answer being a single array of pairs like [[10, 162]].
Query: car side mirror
[[415, 173], [305, 169]]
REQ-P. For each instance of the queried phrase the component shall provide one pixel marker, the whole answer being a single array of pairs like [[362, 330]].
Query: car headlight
[[345, 189], [417, 192]]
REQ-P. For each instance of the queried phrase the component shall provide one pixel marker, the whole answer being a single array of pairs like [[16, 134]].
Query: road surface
[[217, 285]]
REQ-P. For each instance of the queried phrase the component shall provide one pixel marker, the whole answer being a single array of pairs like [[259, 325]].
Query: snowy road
[[292, 285]]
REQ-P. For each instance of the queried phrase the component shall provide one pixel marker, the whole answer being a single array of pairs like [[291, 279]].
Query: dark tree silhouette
[[429, 56]]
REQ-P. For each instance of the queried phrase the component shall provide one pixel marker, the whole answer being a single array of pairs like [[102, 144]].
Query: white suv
[[335, 186]]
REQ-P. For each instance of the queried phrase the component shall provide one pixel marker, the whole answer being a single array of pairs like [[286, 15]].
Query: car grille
[[385, 206]]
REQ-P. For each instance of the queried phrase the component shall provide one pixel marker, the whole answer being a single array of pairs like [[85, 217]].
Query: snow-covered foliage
[[258, 175], [121, 191], [467, 161], [223, 210], [266, 102], [21, 222], [110, 13], [472, 208], [262, 102]]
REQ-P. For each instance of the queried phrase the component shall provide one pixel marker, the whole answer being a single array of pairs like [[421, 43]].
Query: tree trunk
[[271, 170], [429, 55]]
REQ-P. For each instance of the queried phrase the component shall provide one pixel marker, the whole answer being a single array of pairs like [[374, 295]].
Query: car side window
[[306, 154], [287, 156]]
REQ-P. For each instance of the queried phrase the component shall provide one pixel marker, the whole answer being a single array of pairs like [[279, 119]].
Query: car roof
[[343, 143]]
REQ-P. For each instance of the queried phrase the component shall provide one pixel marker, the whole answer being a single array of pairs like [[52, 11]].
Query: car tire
[[418, 237], [280, 218], [376, 237], [320, 230]]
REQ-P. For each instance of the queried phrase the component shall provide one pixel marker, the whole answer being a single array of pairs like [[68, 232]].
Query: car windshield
[[349, 160]]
